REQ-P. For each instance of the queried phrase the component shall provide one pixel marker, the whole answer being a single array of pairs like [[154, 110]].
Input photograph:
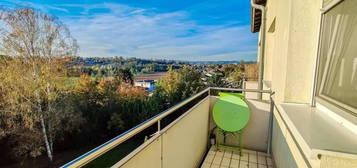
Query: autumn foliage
[[127, 91]]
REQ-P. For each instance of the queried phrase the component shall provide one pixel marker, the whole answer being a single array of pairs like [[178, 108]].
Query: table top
[[231, 113]]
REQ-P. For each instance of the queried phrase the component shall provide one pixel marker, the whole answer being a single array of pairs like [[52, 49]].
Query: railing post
[[270, 128], [161, 143], [243, 86], [158, 126], [209, 117]]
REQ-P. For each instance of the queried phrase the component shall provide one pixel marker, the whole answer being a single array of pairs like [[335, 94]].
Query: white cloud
[[146, 33], [143, 33], [42, 7]]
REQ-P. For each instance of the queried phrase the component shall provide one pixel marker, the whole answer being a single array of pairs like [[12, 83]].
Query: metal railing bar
[[270, 126], [158, 126], [242, 90]]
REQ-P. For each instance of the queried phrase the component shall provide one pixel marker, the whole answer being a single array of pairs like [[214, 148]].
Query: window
[[337, 66]]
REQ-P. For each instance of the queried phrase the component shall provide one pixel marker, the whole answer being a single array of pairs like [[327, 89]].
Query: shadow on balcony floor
[[230, 159]]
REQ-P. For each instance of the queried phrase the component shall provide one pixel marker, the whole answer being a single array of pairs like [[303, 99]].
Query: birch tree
[[36, 48]]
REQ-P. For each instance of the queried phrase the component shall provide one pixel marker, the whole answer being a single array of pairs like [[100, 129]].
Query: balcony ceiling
[[256, 16]]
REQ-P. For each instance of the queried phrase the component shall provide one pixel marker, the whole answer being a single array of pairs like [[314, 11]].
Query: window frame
[[318, 96]]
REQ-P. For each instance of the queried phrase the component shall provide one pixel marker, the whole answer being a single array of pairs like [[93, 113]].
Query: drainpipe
[[262, 48]]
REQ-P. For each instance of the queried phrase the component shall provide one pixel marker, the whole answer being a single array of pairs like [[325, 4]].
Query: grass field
[[113, 156], [150, 76]]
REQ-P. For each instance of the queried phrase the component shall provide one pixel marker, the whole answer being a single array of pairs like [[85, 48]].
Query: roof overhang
[[256, 16]]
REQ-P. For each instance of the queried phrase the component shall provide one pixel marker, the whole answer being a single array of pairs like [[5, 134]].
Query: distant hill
[[92, 61], [220, 62], [120, 60]]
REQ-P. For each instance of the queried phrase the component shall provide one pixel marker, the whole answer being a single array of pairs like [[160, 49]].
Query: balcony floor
[[229, 159]]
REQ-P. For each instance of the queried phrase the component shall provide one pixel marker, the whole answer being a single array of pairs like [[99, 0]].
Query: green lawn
[[113, 156], [107, 160]]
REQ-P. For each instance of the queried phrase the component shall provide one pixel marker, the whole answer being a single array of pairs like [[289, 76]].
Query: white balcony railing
[[184, 141]]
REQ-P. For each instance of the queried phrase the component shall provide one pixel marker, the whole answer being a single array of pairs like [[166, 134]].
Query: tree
[[251, 71], [125, 75], [126, 91], [132, 107], [216, 80], [179, 85], [237, 77], [95, 101], [37, 48]]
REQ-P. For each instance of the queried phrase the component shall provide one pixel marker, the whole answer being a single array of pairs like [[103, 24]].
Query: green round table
[[231, 113]]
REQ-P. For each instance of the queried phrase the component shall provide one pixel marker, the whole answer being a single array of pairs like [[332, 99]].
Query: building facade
[[309, 55], [305, 118]]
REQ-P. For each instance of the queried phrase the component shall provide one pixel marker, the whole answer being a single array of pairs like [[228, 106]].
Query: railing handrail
[[242, 90], [101, 149]]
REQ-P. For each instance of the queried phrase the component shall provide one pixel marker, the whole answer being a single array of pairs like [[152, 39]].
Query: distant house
[[208, 75], [149, 85]]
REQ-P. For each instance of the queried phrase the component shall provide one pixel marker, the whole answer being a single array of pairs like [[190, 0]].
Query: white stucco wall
[[290, 57], [291, 48]]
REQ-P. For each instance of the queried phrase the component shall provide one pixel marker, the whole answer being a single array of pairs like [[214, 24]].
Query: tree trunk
[[42, 120], [49, 109], [48, 147]]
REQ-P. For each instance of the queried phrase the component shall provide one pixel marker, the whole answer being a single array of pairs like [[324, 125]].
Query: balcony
[[180, 137]]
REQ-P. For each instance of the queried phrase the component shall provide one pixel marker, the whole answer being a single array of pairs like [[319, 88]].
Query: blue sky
[[193, 30]]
